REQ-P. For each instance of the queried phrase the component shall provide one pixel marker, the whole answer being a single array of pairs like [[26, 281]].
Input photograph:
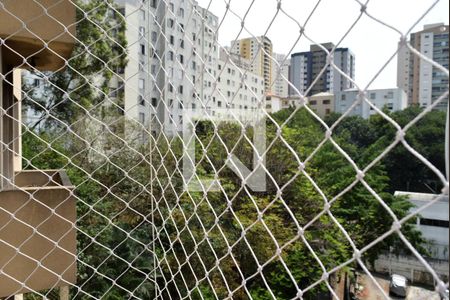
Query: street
[[369, 291]]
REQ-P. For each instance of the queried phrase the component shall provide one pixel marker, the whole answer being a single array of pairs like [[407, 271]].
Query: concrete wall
[[411, 268], [40, 26]]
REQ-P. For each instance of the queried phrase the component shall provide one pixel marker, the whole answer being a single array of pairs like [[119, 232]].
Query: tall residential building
[[237, 87], [259, 52], [172, 60], [173, 64], [306, 66], [423, 82], [392, 99], [280, 75]]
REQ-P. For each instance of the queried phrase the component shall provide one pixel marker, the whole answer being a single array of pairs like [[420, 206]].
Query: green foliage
[[84, 83], [195, 230]]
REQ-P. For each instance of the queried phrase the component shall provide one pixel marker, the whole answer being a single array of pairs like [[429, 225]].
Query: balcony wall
[[43, 201], [26, 27]]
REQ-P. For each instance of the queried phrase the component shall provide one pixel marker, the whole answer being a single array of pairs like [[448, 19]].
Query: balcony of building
[[37, 209]]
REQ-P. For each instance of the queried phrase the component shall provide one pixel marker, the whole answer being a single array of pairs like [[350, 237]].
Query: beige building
[[259, 52], [275, 103], [423, 82], [322, 104]]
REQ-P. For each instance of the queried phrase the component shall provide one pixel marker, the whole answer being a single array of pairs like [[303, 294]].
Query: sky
[[371, 42]]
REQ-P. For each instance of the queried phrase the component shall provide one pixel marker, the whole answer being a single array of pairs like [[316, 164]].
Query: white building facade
[[423, 82], [280, 75], [433, 222], [393, 99], [173, 54], [174, 64]]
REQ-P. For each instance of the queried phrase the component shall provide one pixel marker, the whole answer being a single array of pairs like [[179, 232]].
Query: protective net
[[143, 159]]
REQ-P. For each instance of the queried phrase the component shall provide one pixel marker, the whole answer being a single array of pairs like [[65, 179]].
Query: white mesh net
[[143, 159]]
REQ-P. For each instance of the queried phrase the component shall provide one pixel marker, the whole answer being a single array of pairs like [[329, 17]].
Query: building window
[[313, 102], [181, 58], [153, 3], [181, 43], [171, 7], [180, 89], [326, 101], [373, 96], [36, 82], [170, 23], [141, 118], [170, 55], [343, 97], [181, 12], [141, 100], [142, 14], [154, 102], [142, 49], [141, 31], [434, 222], [141, 84], [172, 40], [154, 36]]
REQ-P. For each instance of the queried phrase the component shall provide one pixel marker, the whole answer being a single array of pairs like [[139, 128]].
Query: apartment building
[[280, 75], [172, 60], [393, 99], [423, 82], [275, 103], [307, 66], [173, 63], [322, 104], [237, 88], [257, 50]]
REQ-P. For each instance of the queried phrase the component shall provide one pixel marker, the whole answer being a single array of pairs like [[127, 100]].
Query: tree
[[84, 84]]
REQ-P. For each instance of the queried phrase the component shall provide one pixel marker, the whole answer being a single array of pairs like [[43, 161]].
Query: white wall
[[394, 99]]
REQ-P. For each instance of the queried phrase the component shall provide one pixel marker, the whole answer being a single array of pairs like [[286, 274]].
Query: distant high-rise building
[[419, 79], [306, 66], [280, 75], [258, 51]]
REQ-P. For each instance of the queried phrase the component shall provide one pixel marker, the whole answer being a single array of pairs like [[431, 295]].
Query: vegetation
[[121, 195], [85, 84]]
